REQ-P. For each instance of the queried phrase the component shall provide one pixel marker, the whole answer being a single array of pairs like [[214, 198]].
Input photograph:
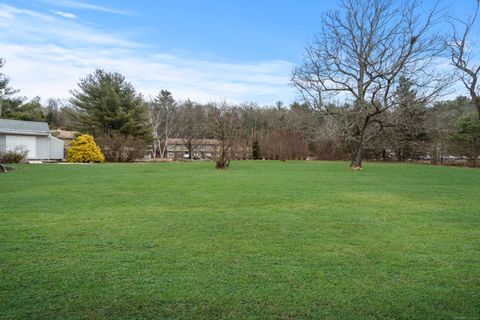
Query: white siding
[[3, 145], [42, 147], [56, 147], [28, 143], [39, 147]]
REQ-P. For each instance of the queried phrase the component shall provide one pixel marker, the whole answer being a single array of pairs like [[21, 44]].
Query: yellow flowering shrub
[[84, 149]]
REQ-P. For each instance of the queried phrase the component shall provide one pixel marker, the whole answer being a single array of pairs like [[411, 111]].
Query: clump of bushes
[[16, 156], [84, 149], [121, 148]]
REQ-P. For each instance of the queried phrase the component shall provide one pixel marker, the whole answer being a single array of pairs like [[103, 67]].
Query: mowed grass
[[262, 240]]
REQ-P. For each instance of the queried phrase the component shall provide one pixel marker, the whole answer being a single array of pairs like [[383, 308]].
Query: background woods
[[368, 89]]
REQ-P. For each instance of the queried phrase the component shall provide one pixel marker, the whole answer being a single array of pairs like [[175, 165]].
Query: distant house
[[32, 136], [204, 149]]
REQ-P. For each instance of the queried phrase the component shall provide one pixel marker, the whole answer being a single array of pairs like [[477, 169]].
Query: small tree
[[84, 149], [191, 119], [224, 124], [162, 113]]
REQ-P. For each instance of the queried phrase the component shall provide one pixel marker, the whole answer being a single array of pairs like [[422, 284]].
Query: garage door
[[25, 142]]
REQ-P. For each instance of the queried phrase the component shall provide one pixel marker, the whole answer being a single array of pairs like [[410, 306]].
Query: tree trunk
[[356, 156], [162, 149], [154, 145], [189, 147], [220, 164], [476, 102], [223, 161], [384, 155]]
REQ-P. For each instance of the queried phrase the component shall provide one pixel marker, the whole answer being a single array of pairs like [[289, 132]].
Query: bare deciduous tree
[[191, 117], [359, 55], [224, 123], [463, 56]]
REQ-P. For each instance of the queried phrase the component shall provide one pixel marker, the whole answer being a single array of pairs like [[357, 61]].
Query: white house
[[31, 136]]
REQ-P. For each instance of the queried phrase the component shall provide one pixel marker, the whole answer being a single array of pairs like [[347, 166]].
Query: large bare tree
[[359, 55], [464, 57]]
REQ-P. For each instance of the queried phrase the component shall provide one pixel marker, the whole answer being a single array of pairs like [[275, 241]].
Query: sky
[[204, 50]]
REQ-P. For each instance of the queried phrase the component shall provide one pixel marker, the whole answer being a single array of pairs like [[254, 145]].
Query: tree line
[[369, 84]]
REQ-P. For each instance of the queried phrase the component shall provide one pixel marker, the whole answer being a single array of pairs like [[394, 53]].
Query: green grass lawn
[[262, 240]]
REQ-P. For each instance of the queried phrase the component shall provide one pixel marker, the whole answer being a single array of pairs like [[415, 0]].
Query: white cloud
[[11, 13], [67, 15], [82, 5], [26, 26], [51, 71], [47, 55]]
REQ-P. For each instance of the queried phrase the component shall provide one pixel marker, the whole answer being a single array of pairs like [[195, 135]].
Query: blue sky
[[199, 49]]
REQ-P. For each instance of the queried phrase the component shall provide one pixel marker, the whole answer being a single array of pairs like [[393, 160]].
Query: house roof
[[64, 134], [24, 127], [180, 141]]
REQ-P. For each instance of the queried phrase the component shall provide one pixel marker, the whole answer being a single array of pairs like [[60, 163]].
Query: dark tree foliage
[[466, 139], [5, 89], [106, 103], [13, 108], [406, 129]]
